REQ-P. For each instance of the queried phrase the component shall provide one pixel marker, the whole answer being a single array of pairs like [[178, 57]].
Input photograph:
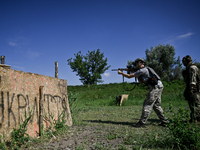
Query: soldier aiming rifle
[[149, 77]]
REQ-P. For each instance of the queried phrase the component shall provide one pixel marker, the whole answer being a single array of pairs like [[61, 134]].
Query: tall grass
[[105, 94]]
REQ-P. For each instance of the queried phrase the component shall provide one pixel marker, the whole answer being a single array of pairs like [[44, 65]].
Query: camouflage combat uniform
[[192, 95], [153, 98]]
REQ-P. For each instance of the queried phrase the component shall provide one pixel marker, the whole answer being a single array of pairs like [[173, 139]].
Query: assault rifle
[[129, 69]]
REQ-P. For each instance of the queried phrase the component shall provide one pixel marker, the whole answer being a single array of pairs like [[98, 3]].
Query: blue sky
[[36, 33]]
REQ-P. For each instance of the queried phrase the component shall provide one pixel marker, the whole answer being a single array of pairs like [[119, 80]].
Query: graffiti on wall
[[23, 102], [20, 92]]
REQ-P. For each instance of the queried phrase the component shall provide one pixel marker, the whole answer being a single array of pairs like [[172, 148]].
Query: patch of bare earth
[[83, 138]]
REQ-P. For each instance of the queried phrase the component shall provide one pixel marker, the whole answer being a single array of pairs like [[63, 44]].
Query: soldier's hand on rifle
[[120, 72]]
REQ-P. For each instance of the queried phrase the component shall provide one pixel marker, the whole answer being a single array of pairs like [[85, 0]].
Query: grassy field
[[105, 94], [99, 124], [95, 106]]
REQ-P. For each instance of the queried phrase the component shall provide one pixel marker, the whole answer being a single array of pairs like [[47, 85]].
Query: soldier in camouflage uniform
[[153, 98], [192, 92]]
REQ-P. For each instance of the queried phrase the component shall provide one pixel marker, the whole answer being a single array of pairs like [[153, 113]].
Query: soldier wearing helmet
[[149, 77], [192, 91]]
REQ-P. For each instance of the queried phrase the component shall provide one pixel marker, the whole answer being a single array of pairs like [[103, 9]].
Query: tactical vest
[[152, 72], [153, 79]]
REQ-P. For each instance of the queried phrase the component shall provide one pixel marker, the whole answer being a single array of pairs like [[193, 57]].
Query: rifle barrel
[[119, 69], [115, 69]]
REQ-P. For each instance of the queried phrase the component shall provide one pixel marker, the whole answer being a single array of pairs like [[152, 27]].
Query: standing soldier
[[192, 91], [149, 77]]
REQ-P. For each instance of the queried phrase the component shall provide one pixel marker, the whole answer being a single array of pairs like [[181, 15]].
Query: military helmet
[[186, 59], [139, 59]]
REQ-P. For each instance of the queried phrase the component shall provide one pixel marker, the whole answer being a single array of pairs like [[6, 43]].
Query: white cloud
[[174, 39], [32, 54], [106, 74], [12, 44], [18, 41], [185, 35]]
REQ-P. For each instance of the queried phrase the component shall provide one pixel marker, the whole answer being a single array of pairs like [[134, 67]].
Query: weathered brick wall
[[20, 92]]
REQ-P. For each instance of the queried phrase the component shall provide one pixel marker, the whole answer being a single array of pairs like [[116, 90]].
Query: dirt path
[[84, 138]]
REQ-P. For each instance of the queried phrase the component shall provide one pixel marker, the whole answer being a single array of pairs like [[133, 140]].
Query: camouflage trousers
[[194, 104], [153, 100]]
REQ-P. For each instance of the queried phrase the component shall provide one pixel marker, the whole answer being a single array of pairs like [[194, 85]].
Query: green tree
[[161, 59], [177, 71], [90, 67], [197, 64]]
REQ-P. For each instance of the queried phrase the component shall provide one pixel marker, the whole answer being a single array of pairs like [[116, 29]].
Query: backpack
[[154, 77]]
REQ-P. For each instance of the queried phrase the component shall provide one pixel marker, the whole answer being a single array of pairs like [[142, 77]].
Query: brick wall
[[21, 92]]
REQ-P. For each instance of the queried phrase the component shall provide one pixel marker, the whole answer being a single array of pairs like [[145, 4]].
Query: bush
[[19, 136], [183, 134], [55, 125], [2, 143]]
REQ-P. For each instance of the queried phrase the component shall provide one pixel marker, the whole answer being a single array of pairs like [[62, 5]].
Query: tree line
[[161, 58]]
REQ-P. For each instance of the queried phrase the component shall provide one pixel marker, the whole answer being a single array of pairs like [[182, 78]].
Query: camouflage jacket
[[191, 76]]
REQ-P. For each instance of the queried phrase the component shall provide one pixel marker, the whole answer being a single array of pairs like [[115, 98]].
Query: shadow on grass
[[110, 122], [152, 121]]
